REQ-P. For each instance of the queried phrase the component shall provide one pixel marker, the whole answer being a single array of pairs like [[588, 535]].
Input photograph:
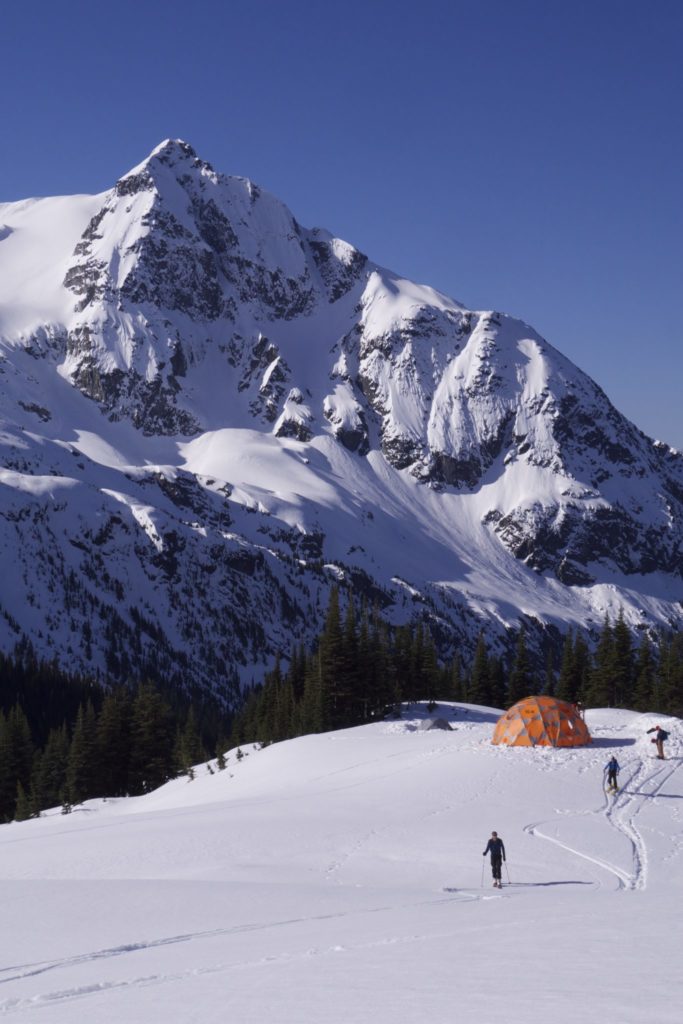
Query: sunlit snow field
[[338, 879]]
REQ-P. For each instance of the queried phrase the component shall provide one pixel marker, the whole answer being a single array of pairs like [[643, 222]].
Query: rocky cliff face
[[178, 257], [210, 414]]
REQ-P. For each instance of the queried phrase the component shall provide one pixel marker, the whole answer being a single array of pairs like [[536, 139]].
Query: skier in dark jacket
[[612, 769], [496, 848], [659, 736]]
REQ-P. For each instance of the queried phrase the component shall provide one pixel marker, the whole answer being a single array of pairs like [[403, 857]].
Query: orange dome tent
[[541, 722]]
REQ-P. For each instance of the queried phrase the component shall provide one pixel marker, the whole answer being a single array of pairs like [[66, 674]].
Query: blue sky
[[520, 155]]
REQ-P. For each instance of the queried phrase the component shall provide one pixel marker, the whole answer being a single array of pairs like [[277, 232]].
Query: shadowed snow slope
[[338, 878]]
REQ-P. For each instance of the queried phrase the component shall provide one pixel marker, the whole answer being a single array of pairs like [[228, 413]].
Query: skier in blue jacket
[[612, 769], [496, 848]]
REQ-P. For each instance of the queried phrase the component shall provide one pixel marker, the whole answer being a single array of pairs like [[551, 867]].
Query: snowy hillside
[[338, 878], [210, 414]]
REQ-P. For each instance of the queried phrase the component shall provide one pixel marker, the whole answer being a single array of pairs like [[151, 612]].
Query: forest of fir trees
[[360, 669], [65, 739]]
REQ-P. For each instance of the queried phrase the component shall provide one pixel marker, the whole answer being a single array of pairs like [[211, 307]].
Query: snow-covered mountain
[[339, 878], [211, 413]]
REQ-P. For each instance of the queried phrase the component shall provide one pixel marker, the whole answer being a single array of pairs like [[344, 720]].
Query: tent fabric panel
[[541, 721]]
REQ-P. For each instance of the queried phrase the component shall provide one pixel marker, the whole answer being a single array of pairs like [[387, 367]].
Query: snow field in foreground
[[338, 878]]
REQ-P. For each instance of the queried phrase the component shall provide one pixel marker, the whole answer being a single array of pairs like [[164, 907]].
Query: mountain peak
[[303, 416], [171, 149], [172, 155]]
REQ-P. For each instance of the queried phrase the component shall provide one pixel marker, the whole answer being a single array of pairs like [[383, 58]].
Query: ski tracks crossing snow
[[643, 784], [50, 998]]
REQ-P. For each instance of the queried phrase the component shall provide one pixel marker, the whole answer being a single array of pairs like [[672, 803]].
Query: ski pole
[[482, 873], [507, 873]]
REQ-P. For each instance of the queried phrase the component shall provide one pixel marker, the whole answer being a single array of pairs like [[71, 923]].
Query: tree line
[[65, 738], [359, 668]]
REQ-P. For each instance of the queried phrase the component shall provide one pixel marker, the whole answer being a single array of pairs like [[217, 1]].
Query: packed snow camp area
[[339, 879]]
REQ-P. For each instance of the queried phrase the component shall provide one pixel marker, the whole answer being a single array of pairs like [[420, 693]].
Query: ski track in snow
[[79, 991], [24, 971], [643, 784], [448, 895], [63, 981]]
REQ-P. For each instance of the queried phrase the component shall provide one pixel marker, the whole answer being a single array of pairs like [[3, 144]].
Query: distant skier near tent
[[496, 848], [659, 736], [612, 769]]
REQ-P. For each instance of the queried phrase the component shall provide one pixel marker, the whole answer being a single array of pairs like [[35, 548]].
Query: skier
[[612, 769], [659, 736], [496, 848]]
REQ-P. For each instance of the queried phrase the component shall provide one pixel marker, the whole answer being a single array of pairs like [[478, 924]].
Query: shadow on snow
[[601, 741], [536, 885]]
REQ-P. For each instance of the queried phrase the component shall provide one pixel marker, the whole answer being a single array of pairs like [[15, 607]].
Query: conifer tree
[[387, 690], [567, 684], [284, 717], [479, 689], [179, 765], [550, 684], [113, 742], [645, 672], [267, 706], [496, 674], [521, 681], [7, 778], [456, 691], [350, 668], [416, 653], [23, 805], [297, 671], [670, 676], [191, 747], [582, 668], [151, 757], [599, 688], [21, 740], [80, 769], [36, 796], [312, 716], [428, 669], [16, 759], [365, 675], [51, 769], [402, 669], [330, 665], [621, 664]]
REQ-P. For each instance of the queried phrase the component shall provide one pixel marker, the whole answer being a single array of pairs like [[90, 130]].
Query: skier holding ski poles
[[496, 848], [659, 736], [612, 769]]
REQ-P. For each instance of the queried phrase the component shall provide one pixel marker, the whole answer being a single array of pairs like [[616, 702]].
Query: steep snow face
[[235, 411], [37, 237]]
